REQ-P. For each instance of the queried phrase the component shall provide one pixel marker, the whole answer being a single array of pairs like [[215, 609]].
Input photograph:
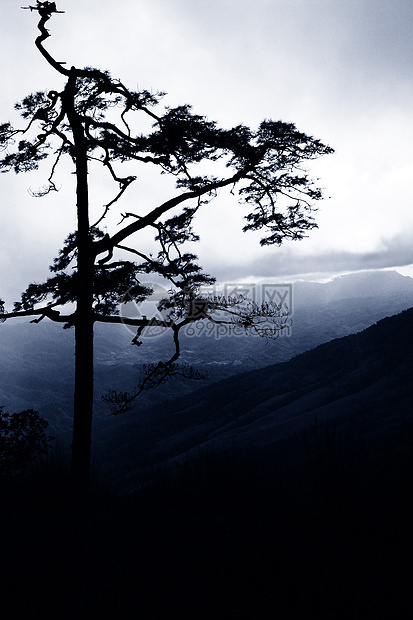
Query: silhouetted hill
[[362, 380]]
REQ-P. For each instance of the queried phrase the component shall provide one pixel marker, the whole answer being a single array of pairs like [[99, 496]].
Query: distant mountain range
[[360, 382], [36, 360]]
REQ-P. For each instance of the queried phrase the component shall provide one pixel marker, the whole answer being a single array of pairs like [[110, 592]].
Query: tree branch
[[107, 244], [47, 311], [45, 10]]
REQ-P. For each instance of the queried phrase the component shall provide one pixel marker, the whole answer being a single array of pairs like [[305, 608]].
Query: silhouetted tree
[[94, 120], [23, 441]]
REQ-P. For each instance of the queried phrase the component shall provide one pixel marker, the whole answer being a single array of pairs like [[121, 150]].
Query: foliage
[[23, 441]]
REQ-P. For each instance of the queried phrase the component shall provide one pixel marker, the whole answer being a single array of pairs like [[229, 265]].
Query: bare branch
[[51, 187], [124, 184], [45, 10], [140, 323], [151, 376]]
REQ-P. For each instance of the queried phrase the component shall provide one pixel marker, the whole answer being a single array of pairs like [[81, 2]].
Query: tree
[[92, 122], [23, 441]]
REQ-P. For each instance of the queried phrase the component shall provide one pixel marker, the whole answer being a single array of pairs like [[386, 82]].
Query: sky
[[341, 71]]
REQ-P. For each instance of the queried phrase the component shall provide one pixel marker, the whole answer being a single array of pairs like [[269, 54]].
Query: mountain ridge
[[361, 379]]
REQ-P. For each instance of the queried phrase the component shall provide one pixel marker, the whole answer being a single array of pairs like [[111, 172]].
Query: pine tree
[[91, 122]]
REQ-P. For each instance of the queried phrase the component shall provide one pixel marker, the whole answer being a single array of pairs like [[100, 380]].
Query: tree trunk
[[83, 396]]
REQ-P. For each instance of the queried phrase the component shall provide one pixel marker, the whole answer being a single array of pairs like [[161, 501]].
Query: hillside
[[272, 516], [36, 360], [362, 380]]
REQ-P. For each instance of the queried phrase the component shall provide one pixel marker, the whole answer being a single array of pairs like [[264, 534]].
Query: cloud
[[286, 262], [340, 70]]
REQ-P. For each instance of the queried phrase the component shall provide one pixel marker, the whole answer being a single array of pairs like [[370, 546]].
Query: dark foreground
[[247, 536]]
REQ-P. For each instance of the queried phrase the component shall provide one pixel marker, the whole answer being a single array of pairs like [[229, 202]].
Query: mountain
[[361, 381], [37, 363], [358, 286]]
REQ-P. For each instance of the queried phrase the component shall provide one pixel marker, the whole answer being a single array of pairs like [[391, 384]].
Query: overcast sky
[[342, 71]]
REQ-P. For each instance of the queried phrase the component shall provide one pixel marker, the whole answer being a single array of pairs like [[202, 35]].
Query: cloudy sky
[[341, 71]]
